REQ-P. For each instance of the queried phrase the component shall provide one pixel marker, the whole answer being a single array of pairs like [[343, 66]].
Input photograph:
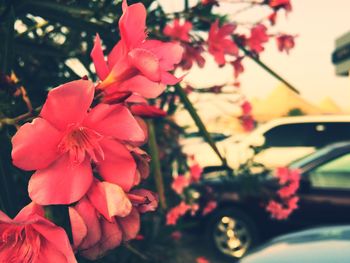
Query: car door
[[325, 193]]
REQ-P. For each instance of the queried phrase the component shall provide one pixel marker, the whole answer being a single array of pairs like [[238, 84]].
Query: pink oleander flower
[[248, 123], [176, 212], [192, 53], [180, 183], [209, 207], [202, 260], [67, 137], [107, 216], [281, 4], [220, 42], [258, 36], [285, 43], [246, 107], [136, 64], [196, 172], [238, 68], [31, 238], [178, 31], [272, 18], [147, 111], [210, 2]]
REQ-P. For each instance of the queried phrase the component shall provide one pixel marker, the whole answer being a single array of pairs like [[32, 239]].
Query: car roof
[[324, 244], [301, 119]]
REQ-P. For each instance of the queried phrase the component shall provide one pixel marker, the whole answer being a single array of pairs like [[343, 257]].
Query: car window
[[315, 134], [333, 174]]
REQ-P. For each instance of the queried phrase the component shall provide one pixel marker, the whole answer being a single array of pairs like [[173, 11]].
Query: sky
[[308, 66]]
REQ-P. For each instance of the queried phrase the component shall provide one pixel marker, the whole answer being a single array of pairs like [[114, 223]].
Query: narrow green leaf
[[156, 166], [200, 125]]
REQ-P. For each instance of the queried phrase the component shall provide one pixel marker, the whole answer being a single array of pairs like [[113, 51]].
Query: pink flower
[[258, 36], [220, 42], [246, 107], [209, 2], [277, 211], [202, 260], [237, 67], [272, 18], [209, 207], [248, 122], [192, 53], [30, 238], [196, 172], [135, 64], [176, 212], [67, 137], [180, 183], [147, 111], [107, 216], [278, 4], [178, 30], [285, 43]]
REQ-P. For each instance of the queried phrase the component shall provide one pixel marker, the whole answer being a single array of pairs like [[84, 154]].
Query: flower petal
[[109, 199], [116, 121], [146, 62], [34, 146], [111, 238], [99, 59], [143, 86], [29, 211], [132, 24], [130, 225], [119, 166], [68, 103], [89, 215], [56, 240], [60, 183], [79, 228]]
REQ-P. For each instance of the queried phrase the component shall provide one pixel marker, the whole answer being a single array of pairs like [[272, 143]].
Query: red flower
[[135, 64], [258, 36], [30, 237], [180, 183], [209, 207], [178, 31], [176, 212], [285, 43], [278, 4], [209, 2], [248, 122], [272, 18], [202, 260], [196, 172], [237, 67], [192, 53], [220, 42], [67, 137], [246, 107], [107, 216]]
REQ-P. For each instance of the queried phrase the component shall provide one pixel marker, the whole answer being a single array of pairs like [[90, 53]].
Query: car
[[240, 221], [283, 140], [321, 245]]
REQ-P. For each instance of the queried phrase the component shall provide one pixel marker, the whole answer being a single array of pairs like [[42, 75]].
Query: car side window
[[333, 174], [294, 135]]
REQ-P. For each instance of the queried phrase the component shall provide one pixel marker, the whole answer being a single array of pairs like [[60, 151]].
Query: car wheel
[[232, 233]]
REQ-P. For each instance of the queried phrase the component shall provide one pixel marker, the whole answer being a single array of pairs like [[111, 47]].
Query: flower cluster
[[188, 203], [85, 150], [289, 180]]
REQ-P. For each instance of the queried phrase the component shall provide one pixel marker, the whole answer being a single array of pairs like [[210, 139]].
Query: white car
[[284, 140]]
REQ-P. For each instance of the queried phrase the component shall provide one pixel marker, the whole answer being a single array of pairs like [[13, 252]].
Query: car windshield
[[299, 163]]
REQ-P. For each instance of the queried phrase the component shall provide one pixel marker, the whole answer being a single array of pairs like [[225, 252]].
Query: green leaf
[[155, 162], [200, 125]]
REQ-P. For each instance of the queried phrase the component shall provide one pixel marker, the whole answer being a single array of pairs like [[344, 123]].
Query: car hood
[[321, 245]]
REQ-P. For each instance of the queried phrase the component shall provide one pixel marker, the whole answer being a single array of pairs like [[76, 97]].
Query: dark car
[[241, 221], [321, 245]]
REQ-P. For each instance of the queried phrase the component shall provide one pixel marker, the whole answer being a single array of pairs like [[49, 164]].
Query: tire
[[231, 233]]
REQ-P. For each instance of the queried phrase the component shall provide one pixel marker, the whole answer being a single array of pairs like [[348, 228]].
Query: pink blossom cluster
[[289, 181], [179, 184], [85, 150]]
